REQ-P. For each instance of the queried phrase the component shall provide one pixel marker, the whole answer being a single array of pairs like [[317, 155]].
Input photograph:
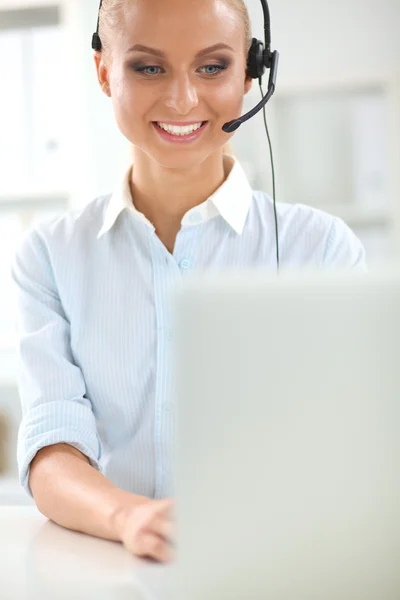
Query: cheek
[[130, 104], [128, 108], [231, 91], [121, 90], [228, 99]]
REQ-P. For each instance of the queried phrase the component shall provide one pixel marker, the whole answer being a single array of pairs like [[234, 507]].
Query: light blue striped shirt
[[95, 317]]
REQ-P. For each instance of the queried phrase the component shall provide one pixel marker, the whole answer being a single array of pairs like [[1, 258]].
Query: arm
[[70, 492], [58, 435], [59, 449], [343, 249]]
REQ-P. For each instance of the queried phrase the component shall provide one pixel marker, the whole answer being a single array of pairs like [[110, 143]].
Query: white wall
[[98, 152], [17, 4], [321, 38]]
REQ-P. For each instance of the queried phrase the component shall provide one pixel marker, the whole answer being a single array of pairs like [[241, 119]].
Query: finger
[[150, 545], [163, 527], [165, 506]]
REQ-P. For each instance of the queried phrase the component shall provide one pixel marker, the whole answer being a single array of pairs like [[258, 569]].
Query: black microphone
[[233, 125]]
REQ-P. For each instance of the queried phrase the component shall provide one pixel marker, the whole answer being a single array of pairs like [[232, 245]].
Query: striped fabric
[[93, 288]]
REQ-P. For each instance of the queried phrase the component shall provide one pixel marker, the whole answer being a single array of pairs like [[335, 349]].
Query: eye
[[145, 69], [219, 67]]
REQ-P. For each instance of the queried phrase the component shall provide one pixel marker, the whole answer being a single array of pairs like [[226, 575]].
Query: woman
[[95, 322]]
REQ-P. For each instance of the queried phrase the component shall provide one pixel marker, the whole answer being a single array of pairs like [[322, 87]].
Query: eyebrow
[[160, 54]]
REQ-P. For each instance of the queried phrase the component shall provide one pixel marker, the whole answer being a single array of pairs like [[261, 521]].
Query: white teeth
[[175, 130]]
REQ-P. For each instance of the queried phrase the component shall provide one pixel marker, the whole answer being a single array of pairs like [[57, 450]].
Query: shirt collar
[[231, 200]]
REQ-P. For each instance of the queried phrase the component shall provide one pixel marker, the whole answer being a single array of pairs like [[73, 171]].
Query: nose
[[182, 94]]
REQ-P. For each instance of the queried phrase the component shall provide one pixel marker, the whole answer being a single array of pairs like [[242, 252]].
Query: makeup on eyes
[[222, 62]]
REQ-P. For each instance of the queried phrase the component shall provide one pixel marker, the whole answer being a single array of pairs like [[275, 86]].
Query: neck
[[165, 195]]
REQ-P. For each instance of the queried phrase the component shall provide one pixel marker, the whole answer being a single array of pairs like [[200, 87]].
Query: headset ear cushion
[[255, 59], [96, 42]]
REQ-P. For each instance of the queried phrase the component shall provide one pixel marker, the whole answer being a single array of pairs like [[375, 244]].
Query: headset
[[260, 58]]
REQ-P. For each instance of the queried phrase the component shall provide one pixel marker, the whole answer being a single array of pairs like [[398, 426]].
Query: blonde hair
[[112, 12]]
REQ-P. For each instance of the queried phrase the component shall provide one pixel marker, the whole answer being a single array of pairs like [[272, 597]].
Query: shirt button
[[167, 407], [184, 264], [169, 336]]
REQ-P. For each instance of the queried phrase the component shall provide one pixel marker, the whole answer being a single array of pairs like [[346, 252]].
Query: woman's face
[[182, 85]]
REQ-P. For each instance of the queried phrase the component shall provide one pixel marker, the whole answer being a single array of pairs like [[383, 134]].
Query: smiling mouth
[[176, 133]]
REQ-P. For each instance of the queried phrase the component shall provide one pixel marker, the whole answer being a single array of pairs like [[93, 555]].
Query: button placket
[[166, 270]]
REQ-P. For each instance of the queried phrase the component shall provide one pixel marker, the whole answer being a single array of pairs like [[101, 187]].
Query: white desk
[[40, 560]]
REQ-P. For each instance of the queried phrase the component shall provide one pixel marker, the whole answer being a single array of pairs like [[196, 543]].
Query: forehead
[[174, 25]]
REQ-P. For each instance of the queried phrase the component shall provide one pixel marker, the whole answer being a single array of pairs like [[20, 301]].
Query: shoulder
[[69, 227], [312, 235], [86, 221], [51, 240]]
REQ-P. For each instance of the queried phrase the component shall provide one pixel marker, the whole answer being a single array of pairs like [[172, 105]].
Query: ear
[[102, 73], [248, 84]]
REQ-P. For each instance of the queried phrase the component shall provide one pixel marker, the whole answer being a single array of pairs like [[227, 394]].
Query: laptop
[[287, 454]]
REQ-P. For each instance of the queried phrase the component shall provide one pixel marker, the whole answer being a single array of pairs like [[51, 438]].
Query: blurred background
[[334, 123]]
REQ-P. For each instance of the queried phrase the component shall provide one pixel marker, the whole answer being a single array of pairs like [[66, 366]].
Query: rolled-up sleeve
[[343, 248], [52, 390]]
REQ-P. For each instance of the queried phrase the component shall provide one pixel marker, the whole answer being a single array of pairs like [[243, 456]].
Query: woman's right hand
[[146, 529]]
